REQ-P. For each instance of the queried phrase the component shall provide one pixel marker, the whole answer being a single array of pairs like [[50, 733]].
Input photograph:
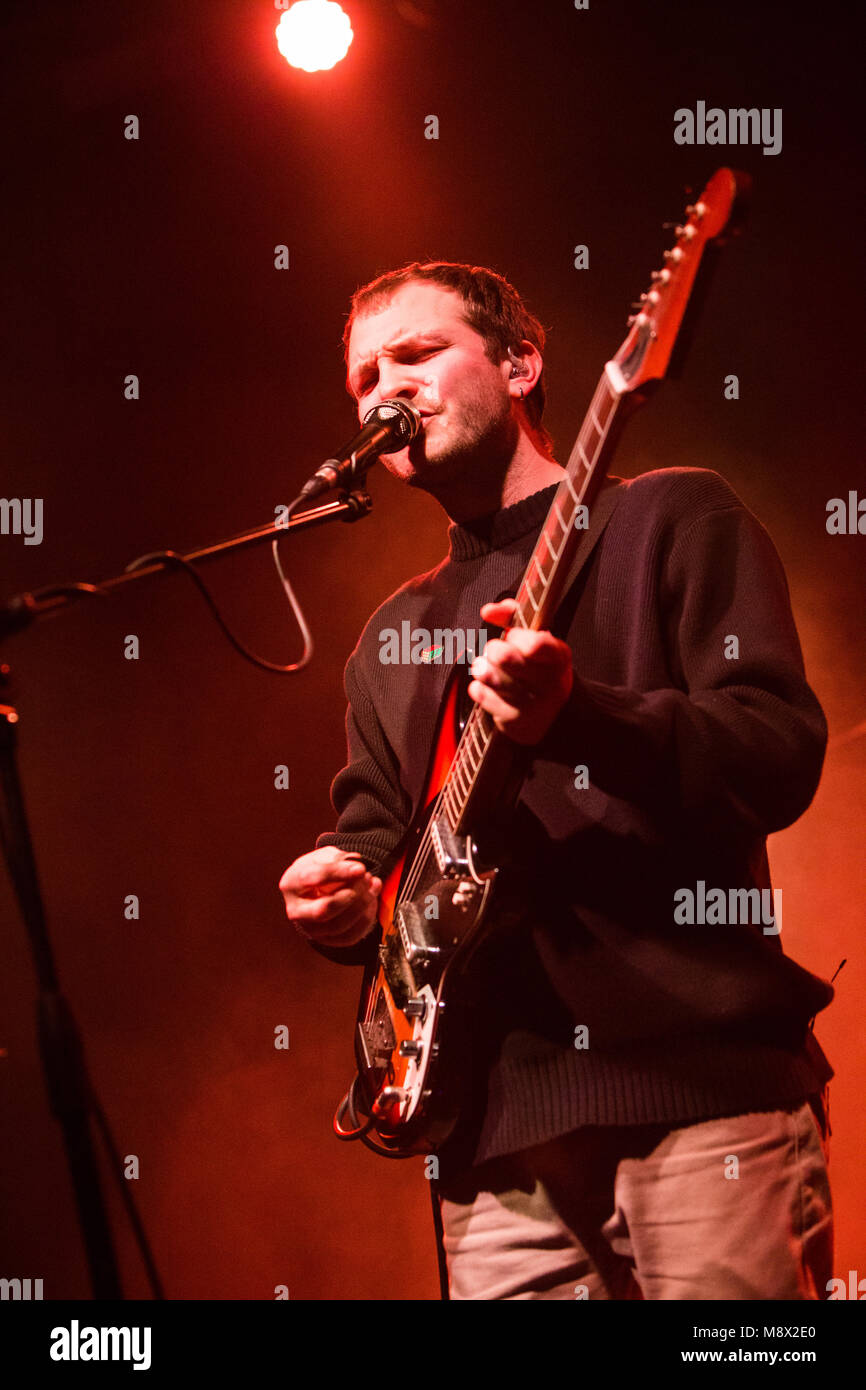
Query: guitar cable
[[361, 1131]]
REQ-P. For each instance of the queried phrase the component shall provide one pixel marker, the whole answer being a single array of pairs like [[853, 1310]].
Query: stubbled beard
[[487, 450]]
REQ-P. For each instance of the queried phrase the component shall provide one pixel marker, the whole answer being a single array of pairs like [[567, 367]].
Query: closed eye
[[408, 356]]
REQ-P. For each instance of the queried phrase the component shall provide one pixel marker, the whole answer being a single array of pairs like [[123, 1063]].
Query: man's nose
[[397, 381]]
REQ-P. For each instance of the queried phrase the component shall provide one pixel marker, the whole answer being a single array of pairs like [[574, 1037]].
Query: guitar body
[[432, 912]]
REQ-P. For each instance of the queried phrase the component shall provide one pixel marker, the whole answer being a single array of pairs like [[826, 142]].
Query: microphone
[[388, 427]]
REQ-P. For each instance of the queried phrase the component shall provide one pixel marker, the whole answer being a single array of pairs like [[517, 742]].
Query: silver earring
[[521, 393]]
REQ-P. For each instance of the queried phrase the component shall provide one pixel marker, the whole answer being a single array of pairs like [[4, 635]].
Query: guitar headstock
[[718, 212]]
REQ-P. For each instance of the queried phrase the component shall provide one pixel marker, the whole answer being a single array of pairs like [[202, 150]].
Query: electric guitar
[[435, 903]]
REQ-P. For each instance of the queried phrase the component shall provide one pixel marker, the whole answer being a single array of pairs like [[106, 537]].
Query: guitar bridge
[[377, 1036]]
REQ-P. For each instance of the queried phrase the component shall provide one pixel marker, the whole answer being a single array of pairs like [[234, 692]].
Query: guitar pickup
[[396, 970], [417, 934], [450, 850]]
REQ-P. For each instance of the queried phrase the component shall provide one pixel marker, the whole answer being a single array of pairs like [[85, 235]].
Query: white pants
[[731, 1208]]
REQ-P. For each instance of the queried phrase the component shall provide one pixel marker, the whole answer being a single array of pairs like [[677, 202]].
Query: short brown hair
[[491, 306]]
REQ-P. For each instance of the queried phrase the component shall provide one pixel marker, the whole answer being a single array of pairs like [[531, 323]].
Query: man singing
[[650, 1117]]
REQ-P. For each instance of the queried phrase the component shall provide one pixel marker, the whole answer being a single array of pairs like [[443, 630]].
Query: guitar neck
[[566, 522], [481, 749]]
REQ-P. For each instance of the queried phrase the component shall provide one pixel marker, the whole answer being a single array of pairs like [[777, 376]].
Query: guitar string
[[422, 853]]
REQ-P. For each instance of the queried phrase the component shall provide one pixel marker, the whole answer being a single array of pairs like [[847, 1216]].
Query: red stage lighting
[[314, 34]]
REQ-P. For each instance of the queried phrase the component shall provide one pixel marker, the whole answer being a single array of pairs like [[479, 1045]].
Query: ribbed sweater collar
[[469, 539]]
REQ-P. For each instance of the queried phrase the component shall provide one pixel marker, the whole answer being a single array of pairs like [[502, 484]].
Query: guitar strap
[[600, 514]]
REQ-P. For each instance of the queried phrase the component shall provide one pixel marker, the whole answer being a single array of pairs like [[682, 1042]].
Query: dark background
[[156, 776]]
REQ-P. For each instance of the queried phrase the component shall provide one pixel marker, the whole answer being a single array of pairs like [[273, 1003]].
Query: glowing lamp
[[314, 34]]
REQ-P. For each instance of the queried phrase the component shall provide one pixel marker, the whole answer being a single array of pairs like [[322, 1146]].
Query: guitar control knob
[[410, 1048], [415, 1008]]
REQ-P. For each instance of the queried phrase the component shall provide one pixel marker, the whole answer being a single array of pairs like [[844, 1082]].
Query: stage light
[[314, 34]]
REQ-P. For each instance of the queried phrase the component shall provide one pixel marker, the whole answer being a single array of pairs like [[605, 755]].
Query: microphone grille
[[404, 419]]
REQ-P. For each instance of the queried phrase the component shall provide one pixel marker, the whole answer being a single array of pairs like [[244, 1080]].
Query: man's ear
[[518, 366], [527, 365]]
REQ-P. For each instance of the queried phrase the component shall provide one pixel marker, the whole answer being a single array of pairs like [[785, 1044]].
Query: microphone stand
[[21, 610], [70, 1093]]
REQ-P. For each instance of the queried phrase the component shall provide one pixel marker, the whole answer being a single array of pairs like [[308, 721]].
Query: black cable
[[171, 557], [444, 1291], [383, 1153], [348, 1104], [361, 1131], [28, 602]]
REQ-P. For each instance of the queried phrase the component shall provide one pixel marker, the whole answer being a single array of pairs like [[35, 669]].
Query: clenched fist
[[331, 897]]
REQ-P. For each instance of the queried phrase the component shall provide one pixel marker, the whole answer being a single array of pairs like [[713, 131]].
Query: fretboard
[[539, 591]]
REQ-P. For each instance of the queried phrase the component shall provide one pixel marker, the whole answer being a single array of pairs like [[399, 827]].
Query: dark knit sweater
[[693, 757]]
